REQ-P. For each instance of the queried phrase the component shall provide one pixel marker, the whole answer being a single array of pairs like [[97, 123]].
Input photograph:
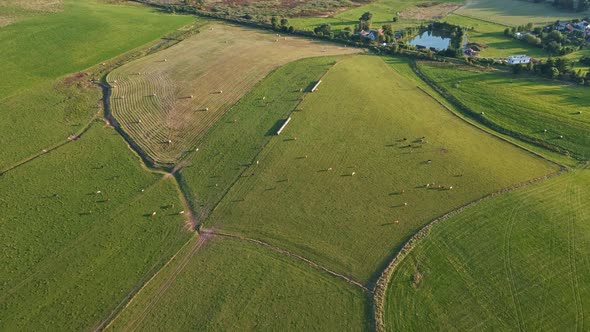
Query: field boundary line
[[380, 288], [290, 254], [483, 128], [113, 317], [70, 139], [481, 19]]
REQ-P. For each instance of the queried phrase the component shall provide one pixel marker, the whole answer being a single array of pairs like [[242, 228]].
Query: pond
[[431, 39]]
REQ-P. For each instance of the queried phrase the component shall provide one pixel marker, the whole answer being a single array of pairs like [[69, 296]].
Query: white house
[[516, 59]]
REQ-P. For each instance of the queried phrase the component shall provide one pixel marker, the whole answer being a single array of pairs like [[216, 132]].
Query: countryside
[[314, 165]]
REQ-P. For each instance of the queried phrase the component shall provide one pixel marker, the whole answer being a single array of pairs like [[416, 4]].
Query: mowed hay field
[[38, 109], [515, 12], [524, 104], [333, 186], [224, 284], [517, 261], [77, 236], [151, 97]]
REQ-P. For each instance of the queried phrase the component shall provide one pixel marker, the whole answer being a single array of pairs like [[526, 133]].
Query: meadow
[[525, 104], [383, 12], [166, 108], [77, 233], [491, 35], [227, 284], [346, 183], [515, 12], [517, 261], [40, 108], [230, 147]]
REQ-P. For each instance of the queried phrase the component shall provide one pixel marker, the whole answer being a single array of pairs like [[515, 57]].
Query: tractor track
[[291, 254], [379, 290]]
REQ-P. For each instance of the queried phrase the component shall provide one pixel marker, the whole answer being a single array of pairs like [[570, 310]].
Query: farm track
[[380, 288], [575, 197], [509, 271], [290, 254]]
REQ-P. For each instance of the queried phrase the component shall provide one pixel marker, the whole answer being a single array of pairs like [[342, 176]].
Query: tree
[[323, 30], [274, 21], [554, 72], [529, 27], [367, 16], [364, 25], [284, 22], [532, 40], [516, 69], [507, 32], [394, 19], [387, 30]]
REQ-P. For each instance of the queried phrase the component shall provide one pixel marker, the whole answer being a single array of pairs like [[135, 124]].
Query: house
[[372, 34], [518, 59]]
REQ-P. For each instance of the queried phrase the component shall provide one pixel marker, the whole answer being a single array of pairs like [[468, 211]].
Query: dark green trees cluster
[[281, 25], [555, 68], [550, 38]]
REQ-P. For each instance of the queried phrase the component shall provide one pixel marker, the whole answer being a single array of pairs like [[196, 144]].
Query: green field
[[37, 107], [230, 147], [383, 12], [524, 104], [71, 255], [292, 199], [516, 12], [517, 261], [227, 284], [492, 35]]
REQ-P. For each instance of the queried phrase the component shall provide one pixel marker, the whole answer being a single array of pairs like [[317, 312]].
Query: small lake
[[429, 39]]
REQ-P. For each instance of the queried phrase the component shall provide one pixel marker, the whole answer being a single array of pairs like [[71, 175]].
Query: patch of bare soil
[[34, 5], [429, 11]]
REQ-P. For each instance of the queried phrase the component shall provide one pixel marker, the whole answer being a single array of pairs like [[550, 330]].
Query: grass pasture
[[516, 12], [524, 104], [517, 261], [229, 147], [492, 35], [225, 284], [38, 109], [216, 67], [383, 12], [300, 194], [76, 233]]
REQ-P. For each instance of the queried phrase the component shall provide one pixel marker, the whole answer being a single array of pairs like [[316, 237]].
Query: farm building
[[517, 59]]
